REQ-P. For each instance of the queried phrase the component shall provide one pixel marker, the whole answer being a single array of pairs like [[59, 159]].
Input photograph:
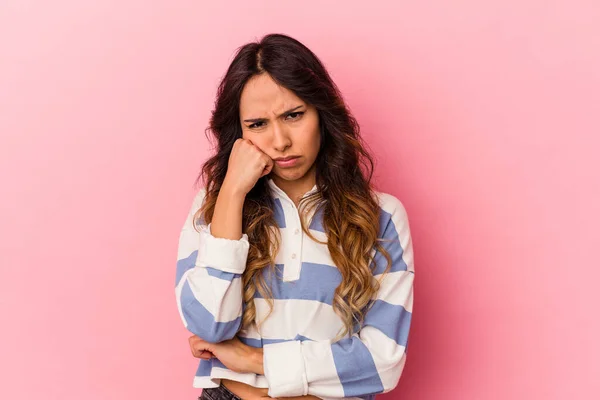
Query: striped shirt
[[300, 356]]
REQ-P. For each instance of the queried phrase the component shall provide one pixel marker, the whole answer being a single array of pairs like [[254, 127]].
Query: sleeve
[[208, 284], [370, 361]]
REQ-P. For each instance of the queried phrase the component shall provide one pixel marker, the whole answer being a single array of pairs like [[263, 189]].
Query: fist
[[247, 163], [199, 348]]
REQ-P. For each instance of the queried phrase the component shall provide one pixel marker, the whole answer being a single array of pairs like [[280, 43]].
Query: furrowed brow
[[264, 119]]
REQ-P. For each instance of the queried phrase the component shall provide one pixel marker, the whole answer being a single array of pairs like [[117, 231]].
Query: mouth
[[287, 161], [285, 158]]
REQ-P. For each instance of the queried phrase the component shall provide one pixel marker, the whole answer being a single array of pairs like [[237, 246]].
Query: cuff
[[284, 369], [226, 255]]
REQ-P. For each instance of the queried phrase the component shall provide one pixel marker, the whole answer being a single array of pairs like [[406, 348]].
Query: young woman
[[294, 275]]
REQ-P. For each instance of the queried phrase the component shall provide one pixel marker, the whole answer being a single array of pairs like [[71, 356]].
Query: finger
[[207, 355], [198, 346], [197, 342], [268, 167]]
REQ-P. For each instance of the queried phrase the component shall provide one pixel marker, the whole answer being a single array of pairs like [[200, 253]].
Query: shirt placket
[[293, 242], [292, 236]]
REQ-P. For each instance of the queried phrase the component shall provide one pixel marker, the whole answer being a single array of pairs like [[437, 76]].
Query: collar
[[278, 192]]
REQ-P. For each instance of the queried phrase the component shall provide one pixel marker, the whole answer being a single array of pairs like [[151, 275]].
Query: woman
[[294, 275]]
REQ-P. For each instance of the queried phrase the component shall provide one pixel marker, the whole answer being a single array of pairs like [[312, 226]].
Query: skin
[[275, 123], [281, 132]]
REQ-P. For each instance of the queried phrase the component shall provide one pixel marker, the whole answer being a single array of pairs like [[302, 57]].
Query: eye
[[295, 115], [256, 125]]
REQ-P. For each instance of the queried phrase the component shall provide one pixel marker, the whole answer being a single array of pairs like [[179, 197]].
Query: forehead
[[263, 97]]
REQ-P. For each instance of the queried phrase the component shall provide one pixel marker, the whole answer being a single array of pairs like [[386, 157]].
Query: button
[[294, 255], [297, 231]]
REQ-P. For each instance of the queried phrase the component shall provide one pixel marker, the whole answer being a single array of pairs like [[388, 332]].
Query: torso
[[248, 392], [243, 390]]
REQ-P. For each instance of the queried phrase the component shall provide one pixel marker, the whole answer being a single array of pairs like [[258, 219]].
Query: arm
[[370, 361], [210, 264]]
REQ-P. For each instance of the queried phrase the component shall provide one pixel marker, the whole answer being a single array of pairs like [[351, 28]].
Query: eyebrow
[[280, 115]]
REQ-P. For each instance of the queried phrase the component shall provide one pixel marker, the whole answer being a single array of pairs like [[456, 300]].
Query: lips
[[287, 162], [286, 158]]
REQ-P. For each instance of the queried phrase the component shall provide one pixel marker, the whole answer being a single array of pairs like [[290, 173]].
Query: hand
[[247, 163], [238, 357], [196, 345], [234, 354]]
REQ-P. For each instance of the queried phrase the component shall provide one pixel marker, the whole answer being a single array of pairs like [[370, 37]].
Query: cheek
[[260, 141], [317, 137], [310, 132], [248, 135], [309, 142]]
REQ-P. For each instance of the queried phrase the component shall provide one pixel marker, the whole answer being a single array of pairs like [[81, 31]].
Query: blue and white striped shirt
[[300, 356]]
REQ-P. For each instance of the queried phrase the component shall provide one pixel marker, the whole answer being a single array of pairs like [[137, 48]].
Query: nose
[[281, 137]]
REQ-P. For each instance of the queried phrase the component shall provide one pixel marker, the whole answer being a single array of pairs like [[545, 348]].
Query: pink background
[[484, 117]]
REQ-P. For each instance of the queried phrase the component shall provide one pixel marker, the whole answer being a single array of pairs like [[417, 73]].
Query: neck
[[297, 188]]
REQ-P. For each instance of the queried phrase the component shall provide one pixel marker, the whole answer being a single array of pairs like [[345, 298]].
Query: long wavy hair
[[345, 196]]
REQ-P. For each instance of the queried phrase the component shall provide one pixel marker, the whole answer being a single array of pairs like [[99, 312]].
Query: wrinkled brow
[[280, 115]]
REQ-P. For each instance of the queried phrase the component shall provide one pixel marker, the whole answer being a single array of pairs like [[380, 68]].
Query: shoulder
[[394, 228], [199, 197], [197, 202], [392, 206]]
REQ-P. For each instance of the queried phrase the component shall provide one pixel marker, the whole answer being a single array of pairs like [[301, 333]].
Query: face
[[281, 125]]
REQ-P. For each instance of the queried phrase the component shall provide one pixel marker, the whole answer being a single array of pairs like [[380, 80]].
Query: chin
[[289, 174]]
